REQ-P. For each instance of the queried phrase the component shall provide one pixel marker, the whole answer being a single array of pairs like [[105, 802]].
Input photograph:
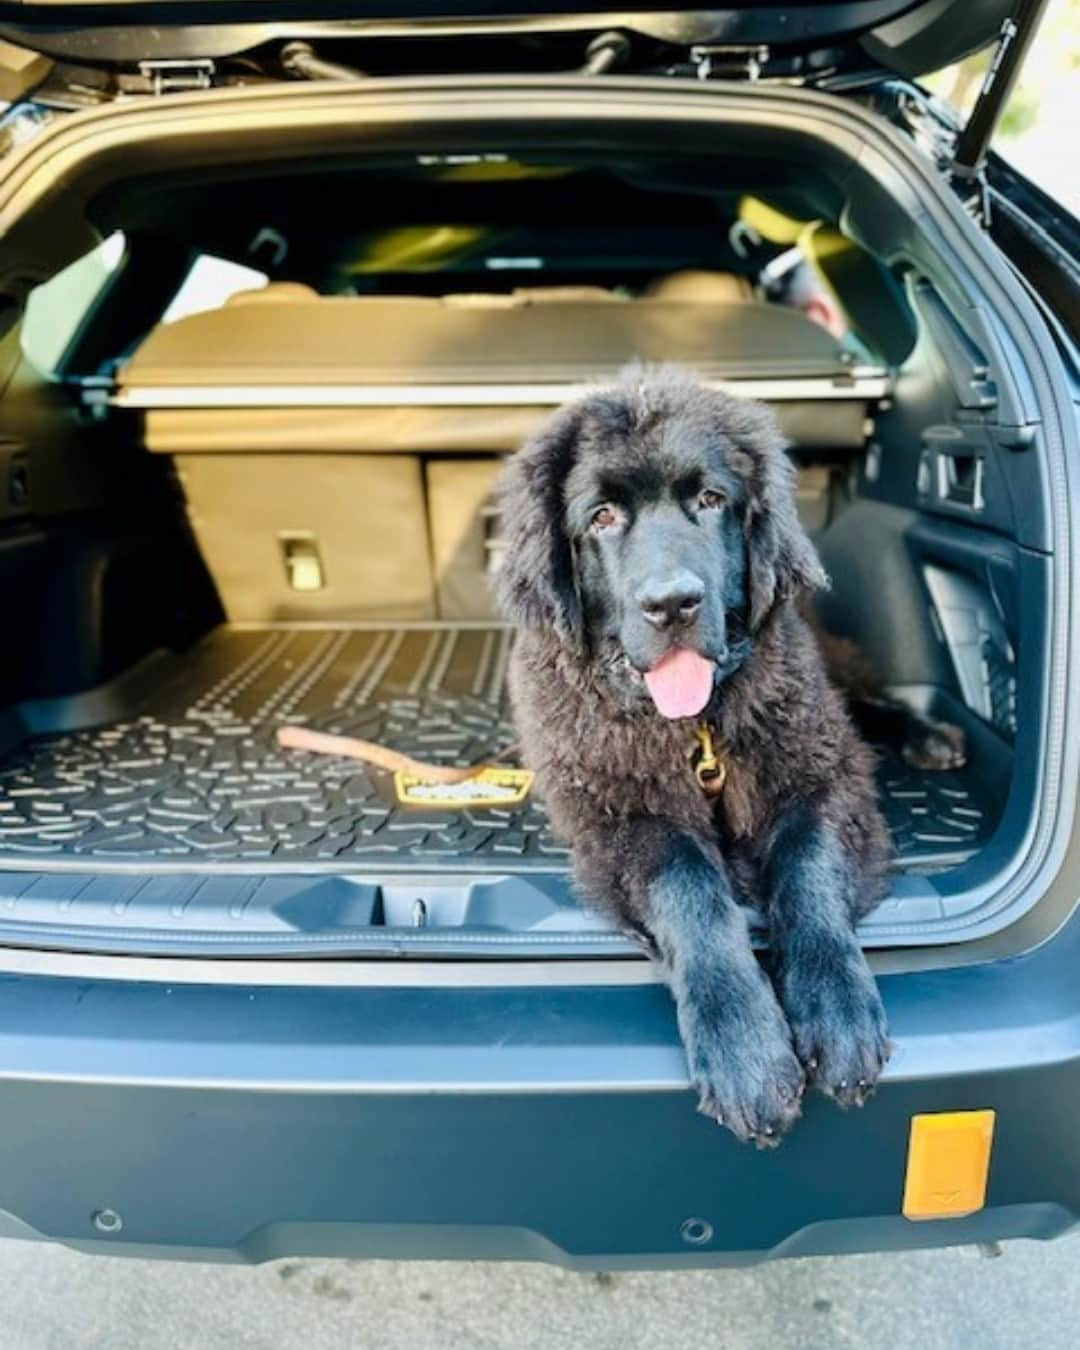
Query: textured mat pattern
[[196, 772]]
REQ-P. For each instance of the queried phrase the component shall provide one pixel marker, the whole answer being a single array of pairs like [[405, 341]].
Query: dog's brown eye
[[604, 517], [712, 499]]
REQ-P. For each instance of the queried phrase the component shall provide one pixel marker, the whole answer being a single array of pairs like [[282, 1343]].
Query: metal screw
[[696, 1231], [106, 1220]]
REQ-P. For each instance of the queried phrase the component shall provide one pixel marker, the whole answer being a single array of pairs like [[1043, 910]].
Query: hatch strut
[[1014, 39]]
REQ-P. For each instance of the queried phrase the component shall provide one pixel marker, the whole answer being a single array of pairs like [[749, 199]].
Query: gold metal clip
[[709, 770]]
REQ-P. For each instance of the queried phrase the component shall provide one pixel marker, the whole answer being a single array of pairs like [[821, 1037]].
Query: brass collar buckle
[[709, 769]]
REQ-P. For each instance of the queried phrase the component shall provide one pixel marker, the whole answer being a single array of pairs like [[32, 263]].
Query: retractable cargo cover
[[481, 353], [416, 341]]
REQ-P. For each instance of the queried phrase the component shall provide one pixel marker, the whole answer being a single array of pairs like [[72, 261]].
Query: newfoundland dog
[[689, 745]]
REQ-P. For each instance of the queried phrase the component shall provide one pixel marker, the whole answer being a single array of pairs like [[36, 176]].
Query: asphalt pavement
[[54, 1299]]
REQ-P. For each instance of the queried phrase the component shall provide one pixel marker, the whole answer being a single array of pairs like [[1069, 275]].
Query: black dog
[[653, 563]]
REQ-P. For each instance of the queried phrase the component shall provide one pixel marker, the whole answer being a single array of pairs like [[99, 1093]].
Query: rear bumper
[[247, 1122]]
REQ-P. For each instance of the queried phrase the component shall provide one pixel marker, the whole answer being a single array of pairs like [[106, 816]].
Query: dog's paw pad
[[758, 1103], [849, 1068], [936, 747], [839, 1030], [739, 1051]]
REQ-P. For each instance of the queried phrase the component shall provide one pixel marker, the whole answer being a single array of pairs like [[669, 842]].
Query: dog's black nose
[[671, 601]]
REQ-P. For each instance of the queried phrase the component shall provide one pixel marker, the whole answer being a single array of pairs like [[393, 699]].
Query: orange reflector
[[947, 1165]]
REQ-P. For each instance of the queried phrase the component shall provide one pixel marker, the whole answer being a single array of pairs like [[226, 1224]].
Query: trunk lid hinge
[[713, 62], [176, 77], [973, 141]]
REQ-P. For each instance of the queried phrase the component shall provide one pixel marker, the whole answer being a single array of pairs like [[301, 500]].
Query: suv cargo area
[[231, 509]]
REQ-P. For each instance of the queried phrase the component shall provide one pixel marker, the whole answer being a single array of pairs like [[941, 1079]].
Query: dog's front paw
[[742, 1062], [838, 1022], [935, 746]]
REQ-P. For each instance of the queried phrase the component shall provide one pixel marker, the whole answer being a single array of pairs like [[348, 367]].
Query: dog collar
[[710, 769]]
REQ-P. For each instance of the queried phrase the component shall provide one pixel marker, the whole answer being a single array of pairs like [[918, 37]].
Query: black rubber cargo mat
[[194, 773]]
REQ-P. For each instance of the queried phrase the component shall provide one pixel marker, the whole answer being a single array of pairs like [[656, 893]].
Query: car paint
[[545, 1122], [149, 1110]]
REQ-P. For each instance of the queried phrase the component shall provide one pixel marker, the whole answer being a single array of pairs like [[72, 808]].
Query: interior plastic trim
[[864, 383]]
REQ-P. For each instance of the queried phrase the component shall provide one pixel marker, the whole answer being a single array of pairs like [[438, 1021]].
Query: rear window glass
[[56, 308], [209, 284]]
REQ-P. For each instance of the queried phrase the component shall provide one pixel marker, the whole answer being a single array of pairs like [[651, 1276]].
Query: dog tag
[[488, 787]]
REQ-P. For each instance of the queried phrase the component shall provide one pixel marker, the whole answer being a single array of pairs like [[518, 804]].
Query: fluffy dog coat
[[796, 830]]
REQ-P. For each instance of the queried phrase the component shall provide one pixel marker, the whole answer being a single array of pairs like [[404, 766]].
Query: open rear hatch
[[146, 46], [313, 473]]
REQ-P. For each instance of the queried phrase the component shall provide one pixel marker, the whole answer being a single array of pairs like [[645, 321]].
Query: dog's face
[[654, 528]]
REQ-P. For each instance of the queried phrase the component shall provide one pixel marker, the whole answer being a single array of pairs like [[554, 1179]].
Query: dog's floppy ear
[[536, 583], [782, 560]]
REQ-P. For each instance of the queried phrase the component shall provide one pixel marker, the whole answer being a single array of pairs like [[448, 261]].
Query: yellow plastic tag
[[489, 787], [948, 1164]]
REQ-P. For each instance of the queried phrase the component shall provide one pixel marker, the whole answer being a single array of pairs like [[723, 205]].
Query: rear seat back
[[401, 407], [339, 538]]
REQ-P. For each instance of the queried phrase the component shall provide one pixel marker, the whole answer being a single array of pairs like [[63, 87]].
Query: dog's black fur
[[658, 479]]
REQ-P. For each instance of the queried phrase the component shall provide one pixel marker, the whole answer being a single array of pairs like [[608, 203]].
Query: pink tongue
[[681, 683]]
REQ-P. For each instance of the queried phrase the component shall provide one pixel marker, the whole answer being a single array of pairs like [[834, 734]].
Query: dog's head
[[652, 527]]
